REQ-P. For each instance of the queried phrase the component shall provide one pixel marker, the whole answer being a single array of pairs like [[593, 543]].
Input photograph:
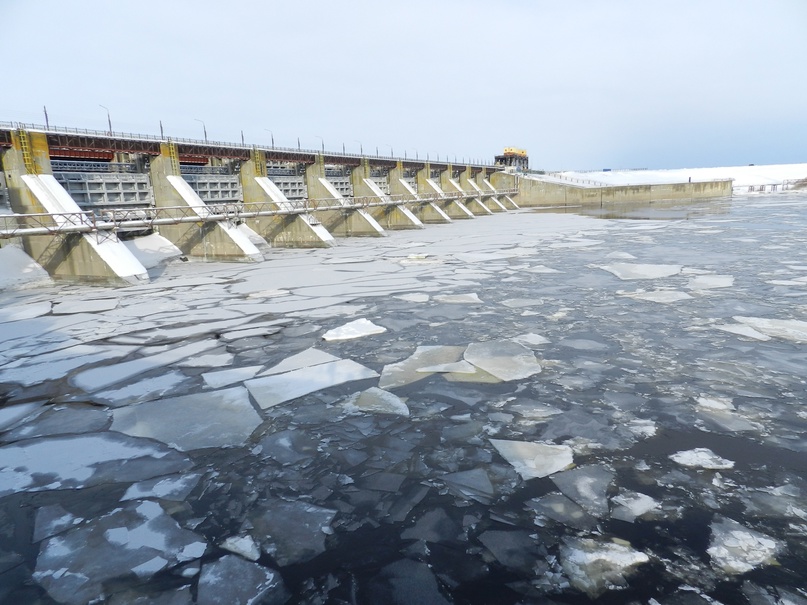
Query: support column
[[477, 205], [281, 231], [426, 186], [208, 240], [341, 218], [426, 211], [98, 256], [390, 215]]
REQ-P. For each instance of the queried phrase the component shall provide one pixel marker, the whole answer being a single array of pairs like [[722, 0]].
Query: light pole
[[204, 128], [390, 150], [271, 134], [108, 119], [322, 141], [416, 152], [361, 149]]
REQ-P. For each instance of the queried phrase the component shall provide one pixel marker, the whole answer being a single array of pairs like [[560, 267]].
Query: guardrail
[[77, 166], [109, 134], [17, 225]]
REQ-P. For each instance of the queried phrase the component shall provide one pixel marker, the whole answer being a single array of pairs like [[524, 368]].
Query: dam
[[76, 194]]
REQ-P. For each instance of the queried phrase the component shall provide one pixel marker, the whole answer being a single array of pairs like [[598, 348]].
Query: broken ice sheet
[[354, 329], [560, 509], [291, 532], [407, 371], [309, 357], [531, 340], [52, 520], [414, 297], [516, 550], [743, 330], [474, 484], [659, 296], [627, 271], [787, 329], [595, 567], [701, 457], [175, 488], [735, 549], [710, 282], [255, 583], [532, 459], [74, 462], [504, 359], [630, 505], [273, 390], [206, 419], [458, 299], [139, 537], [376, 400], [60, 419], [587, 486], [223, 378], [244, 546]]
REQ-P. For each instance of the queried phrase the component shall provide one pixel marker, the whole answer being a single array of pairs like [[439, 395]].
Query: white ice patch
[[206, 419], [19, 269], [531, 340], [458, 299], [78, 461], [628, 271], [659, 296], [504, 359], [630, 505], [459, 367], [354, 329], [273, 390], [376, 400], [232, 580], [710, 282], [743, 330], [595, 567], [305, 359], [531, 459], [735, 549], [151, 250], [223, 378], [414, 297], [620, 255], [242, 545], [721, 404], [701, 457], [175, 488], [787, 329], [406, 371]]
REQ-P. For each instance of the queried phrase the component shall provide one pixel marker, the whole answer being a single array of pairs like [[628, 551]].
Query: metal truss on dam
[[76, 193]]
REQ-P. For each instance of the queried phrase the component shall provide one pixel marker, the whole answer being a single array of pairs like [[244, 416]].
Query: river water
[[529, 407]]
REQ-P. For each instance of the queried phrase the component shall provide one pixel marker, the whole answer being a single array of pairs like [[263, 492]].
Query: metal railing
[[246, 146], [16, 225], [78, 166], [190, 169]]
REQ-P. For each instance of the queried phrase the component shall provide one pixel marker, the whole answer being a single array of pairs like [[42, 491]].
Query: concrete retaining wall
[[533, 192]]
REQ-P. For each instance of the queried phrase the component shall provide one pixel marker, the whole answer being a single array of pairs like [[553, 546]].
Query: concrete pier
[[390, 215], [428, 187], [425, 210]]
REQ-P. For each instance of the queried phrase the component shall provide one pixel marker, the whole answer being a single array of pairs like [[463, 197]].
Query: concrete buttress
[[427, 187], [389, 215]]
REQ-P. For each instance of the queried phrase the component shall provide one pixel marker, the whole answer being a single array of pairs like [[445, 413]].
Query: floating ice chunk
[[532, 460], [701, 457], [514, 549], [458, 367], [98, 378], [595, 567], [458, 299], [291, 532], [52, 520], [735, 549], [273, 390], [406, 371], [710, 282], [434, 526], [742, 330], [561, 510], [533, 409], [542, 269], [13, 414], [377, 400], [250, 332], [620, 255], [520, 303], [211, 360], [505, 359], [80, 461], [474, 484], [788, 329], [659, 296], [139, 536], [406, 582], [175, 488], [630, 505], [588, 486], [97, 305], [142, 390], [288, 447], [233, 581], [61, 419], [26, 311], [242, 545], [223, 378], [627, 271], [354, 329], [207, 419], [54, 366], [415, 297], [716, 403], [531, 340], [305, 359]]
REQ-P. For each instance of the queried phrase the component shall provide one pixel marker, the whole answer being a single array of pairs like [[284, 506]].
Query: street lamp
[[416, 152], [390, 150], [272, 134], [322, 141], [204, 128], [361, 149], [108, 119]]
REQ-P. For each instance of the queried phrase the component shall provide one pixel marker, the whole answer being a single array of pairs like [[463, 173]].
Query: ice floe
[[208, 419], [532, 459], [595, 567], [701, 457], [272, 390], [458, 299], [628, 271], [354, 329], [504, 359], [735, 549], [659, 296], [787, 329], [407, 371], [587, 486], [233, 581], [710, 282], [376, 400]]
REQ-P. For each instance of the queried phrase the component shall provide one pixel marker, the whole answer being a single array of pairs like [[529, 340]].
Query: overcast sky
[[581, 84]]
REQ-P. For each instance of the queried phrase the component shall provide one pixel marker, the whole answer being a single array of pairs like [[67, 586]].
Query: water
[[671, 347]]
